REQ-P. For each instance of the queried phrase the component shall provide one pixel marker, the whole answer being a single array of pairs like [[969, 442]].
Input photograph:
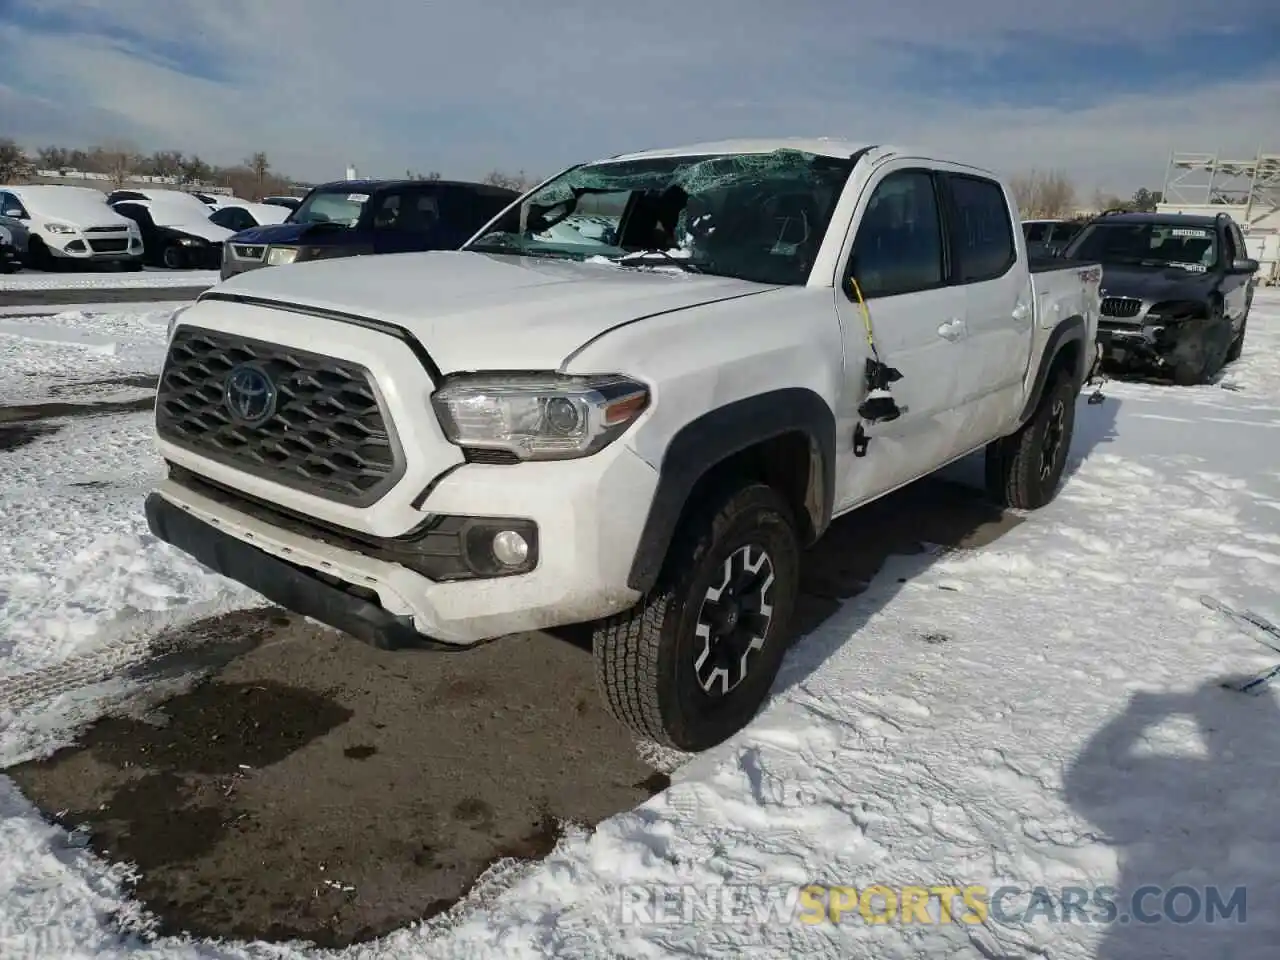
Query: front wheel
[[174, 258], [1023, 470], [692, 663]]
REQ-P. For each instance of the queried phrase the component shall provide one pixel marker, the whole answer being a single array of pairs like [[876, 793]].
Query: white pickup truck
[[639, 425]]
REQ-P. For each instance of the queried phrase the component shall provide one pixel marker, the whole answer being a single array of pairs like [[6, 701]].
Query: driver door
[[918, 321]]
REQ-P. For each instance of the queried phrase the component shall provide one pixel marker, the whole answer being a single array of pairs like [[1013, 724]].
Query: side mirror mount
[[1245, 265]]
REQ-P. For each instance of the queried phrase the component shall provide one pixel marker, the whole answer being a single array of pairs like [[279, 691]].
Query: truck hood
[[480, 311], [1155, 283]]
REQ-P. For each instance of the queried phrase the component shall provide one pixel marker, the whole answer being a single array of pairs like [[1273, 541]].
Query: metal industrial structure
[[1204, 179], [1248, 190]]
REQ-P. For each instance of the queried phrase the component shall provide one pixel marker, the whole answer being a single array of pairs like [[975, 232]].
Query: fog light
[[510, 549]]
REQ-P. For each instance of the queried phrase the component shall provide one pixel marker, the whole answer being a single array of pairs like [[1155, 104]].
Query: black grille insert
[[329, 436], [1121, 306]]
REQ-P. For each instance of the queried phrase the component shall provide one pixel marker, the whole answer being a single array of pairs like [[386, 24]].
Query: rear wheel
[[692, 663], [1023, 470]]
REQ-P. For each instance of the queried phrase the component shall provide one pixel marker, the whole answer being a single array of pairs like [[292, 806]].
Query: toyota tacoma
[[642, 431]]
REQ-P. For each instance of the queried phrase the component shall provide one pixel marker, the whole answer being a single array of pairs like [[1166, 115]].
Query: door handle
[[1021, 312], [952, 329]]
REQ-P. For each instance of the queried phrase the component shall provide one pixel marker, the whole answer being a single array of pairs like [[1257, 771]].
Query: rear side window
[[981, 229], [1035, 232]]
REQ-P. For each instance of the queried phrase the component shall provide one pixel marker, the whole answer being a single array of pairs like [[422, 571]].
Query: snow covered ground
[[1045, 712], [144, 279]]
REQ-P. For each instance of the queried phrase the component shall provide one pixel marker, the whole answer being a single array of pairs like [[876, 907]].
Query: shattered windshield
[[340, 207], [1194, 249], [755, 216]]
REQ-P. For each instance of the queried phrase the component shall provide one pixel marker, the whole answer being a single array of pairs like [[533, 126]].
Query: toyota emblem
[[249, 395]]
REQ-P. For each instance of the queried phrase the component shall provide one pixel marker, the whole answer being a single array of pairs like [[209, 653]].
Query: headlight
[[538, 416], [278, 256], [173, 319], [190, 242], [61, 229]]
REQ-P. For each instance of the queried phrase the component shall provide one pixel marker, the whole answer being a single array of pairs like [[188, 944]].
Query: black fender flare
[[1071, 330], [712, 438]]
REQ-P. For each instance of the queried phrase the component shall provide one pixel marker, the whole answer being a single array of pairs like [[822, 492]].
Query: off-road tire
[[646, 657], [1014, 463], [1237, 345]]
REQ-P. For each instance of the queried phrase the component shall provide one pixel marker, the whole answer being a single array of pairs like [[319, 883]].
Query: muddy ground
[[311, 787]]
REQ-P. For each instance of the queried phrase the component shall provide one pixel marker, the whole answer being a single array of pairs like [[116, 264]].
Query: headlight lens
[[60, 228], [277, 256], [538, 416], [190, 242]]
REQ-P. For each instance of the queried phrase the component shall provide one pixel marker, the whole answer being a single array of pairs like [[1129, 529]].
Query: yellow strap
[[866, 314]]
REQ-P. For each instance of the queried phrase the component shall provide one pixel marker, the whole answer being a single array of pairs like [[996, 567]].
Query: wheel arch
[[1066, 347], [786, 438]]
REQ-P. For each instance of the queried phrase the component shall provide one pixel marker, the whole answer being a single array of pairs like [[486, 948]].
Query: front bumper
[[585, 512], [292, 587], [106, 249], [1158, 345]]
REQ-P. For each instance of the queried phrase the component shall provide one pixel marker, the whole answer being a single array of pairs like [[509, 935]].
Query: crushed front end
[[1156, 337]]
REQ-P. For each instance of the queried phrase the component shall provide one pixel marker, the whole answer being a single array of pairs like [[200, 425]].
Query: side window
[[981, 230], [134, 211], [1035, 232], [227, 218], [898, 246], [386, 211], [1229, 250], [9, 204]]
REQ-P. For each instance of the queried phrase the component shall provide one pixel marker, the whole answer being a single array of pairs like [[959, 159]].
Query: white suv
[[642, 430], [54, 225]]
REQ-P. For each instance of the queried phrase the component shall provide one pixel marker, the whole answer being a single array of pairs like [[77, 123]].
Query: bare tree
[[194, 170], [260, 166], [1108, 201], [14, 162], [519, 182], [54, 158], [415, 175], [1044, 195], [164, 163], [119, 159]]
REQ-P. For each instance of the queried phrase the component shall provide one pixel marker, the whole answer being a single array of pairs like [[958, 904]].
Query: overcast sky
[[1101, 88]]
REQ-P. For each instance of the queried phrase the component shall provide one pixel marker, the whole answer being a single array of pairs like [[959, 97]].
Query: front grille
[[248, 252], [1121, 306], [329, 435], [109, 246], [103, 229]]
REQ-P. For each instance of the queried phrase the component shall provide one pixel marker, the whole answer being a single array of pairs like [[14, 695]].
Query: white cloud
[[467, 86]]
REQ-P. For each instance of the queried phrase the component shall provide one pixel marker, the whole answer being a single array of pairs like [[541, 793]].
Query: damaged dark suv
[[1176, 291]]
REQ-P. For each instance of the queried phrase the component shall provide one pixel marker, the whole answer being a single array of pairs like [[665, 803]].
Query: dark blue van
[[350, 218]]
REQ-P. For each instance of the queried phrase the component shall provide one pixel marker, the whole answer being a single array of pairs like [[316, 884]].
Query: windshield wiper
[[641, 257]]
